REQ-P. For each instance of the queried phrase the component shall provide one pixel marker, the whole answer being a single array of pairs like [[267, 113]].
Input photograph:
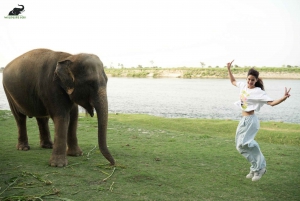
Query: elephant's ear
[[65, 75]]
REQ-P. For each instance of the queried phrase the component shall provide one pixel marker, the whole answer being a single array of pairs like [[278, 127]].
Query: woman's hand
[[287, 93], [276, 102], [231, 77], [229, 65]]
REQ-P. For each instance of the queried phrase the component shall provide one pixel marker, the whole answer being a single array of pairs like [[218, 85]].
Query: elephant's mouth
[[88, 107], [90, 111]]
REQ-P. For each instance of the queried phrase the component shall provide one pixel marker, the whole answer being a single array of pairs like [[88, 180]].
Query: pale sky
[[171, 33]]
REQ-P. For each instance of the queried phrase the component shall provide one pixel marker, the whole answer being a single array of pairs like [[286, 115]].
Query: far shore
[[204, 73], [221, 73], [239, 76]]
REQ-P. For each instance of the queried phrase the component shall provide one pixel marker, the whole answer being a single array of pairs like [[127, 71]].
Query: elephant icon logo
[[17, 11]]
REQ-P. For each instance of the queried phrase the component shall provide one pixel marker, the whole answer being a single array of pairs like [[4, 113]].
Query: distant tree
[[120, 65], [217, 66], [151, 62], [236, 66], [140, 66], [202, 64], [289, 66]]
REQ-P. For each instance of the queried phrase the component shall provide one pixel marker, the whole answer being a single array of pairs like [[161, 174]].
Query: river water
[[192, 98]]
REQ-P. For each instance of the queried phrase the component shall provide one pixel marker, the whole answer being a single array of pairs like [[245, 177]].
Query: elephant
[[48, 84], [16, 11]]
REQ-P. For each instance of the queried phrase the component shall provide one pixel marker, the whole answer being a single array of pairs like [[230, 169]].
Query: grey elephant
[[43, 83], [16, 11]]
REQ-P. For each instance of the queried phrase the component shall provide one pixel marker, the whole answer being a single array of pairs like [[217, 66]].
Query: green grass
[[157, 159]]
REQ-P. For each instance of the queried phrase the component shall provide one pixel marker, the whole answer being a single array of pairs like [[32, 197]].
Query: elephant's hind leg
[[21, 123], [45, 138], [22, 132]]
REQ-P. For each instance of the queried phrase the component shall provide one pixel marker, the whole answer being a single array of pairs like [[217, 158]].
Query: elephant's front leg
[[73, 148], [58, 157]]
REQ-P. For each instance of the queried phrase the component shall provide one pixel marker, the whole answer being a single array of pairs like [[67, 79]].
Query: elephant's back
[[33, 63], [26, 76]]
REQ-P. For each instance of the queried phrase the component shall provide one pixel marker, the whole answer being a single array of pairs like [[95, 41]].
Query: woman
[[252, 98]]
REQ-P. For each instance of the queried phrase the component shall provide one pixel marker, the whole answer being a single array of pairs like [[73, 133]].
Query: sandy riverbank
[[176, 73], [273, 75]]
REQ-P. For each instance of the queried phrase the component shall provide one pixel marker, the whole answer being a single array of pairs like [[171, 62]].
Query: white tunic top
[[251, 99]]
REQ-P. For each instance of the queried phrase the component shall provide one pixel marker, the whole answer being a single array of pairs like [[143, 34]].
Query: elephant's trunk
[[101, 108], [22, 7]]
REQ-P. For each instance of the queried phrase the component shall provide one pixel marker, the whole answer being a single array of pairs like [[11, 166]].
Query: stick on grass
[[9, 185], [88, 154], [110, 175], [111, 188]]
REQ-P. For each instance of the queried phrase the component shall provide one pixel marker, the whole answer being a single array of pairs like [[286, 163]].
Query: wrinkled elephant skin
[[46, 84]]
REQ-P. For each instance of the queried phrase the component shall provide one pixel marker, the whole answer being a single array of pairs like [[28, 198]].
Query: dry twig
[[110, 174]]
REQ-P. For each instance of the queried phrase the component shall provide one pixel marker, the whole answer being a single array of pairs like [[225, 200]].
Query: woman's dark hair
[[259, 82]]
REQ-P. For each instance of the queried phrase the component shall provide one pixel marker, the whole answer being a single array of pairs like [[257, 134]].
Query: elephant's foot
[[76, 151], [46, 145], [58, 161], [23, 146]]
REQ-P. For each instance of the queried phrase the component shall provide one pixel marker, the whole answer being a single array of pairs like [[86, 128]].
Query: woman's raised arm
[[231, 77], [278, 101]]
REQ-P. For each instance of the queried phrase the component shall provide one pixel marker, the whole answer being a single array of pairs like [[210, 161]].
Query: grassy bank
[[157, 159], [266, 72]]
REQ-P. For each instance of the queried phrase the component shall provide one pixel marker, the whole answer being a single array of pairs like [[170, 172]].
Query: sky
[[163, 33]]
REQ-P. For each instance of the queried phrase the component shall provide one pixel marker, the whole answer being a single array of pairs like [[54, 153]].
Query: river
[[192, 98]]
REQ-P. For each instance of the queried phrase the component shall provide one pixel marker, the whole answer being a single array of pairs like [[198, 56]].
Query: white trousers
[[245, 143]]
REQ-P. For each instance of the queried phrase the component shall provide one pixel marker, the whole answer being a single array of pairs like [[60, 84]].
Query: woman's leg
[[253, 154], [246, 145]]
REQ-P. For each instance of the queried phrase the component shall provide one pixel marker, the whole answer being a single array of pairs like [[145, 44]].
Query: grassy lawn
[[157, 159]]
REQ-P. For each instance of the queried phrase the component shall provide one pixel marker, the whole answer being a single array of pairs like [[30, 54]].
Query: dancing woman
[[252, 98]]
